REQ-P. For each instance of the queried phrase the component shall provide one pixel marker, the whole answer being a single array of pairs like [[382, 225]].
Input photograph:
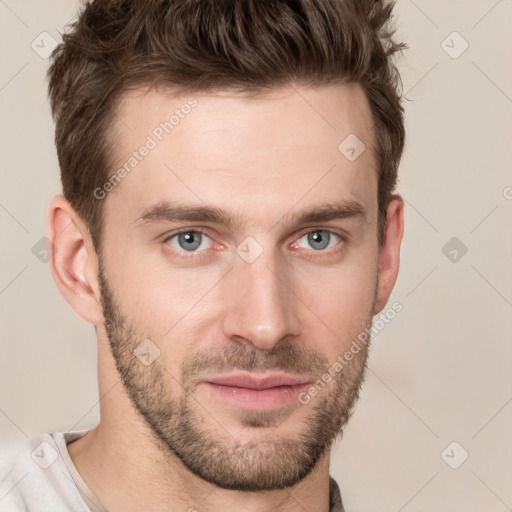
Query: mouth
[[263, 391]]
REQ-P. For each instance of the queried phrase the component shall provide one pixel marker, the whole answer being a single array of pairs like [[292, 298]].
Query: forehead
[[255, 154]]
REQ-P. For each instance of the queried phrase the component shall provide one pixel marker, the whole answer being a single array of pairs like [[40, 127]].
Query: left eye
[[189, 241], [320, 239]]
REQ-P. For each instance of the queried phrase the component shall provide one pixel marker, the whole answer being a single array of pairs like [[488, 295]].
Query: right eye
[[189, 241]]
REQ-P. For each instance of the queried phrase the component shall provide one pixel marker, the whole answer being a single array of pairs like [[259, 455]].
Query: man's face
[[259, 293]]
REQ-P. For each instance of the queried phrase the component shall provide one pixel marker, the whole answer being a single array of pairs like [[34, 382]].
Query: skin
[[295, 308]]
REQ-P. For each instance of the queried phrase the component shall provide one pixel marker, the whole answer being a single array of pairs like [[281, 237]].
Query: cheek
[[340, 301], [165, 302]]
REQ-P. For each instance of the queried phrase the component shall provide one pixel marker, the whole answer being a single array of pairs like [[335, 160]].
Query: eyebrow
[[166, 211]]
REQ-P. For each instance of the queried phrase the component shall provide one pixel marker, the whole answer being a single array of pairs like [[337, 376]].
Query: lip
[[258, 381], [264, 391]]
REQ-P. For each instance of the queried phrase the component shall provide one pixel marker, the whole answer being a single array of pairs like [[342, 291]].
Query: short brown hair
[[207, 45]]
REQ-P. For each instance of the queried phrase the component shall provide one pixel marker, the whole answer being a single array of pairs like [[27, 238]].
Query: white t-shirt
[[39, 476]]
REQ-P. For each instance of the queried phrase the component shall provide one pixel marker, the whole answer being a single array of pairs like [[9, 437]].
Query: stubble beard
[[177, 419]]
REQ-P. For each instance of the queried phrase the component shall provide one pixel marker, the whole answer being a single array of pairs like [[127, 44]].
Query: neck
[[137, 474]]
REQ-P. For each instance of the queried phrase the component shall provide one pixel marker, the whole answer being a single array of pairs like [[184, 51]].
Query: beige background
[[439, 372]]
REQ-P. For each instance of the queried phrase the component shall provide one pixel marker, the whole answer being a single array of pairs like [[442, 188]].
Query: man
[[229, 226]]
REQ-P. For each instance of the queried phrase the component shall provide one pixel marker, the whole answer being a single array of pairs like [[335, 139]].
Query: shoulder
[[35, 478]]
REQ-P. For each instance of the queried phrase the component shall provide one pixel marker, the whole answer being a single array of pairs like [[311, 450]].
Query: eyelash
[[188, 255]]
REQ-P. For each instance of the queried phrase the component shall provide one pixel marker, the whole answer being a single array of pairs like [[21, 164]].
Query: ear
[[73, 260], [389, 259]]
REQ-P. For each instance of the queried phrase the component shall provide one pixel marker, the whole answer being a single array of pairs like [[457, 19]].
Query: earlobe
[[73, 260], [389, 260]]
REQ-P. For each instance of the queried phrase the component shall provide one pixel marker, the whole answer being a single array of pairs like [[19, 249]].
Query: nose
[[261, 308]]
